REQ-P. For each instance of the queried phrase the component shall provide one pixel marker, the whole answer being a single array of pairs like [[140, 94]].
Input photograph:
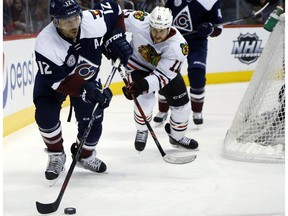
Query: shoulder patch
[[207, 4], [96, 13], [140, 15], [185, 48]]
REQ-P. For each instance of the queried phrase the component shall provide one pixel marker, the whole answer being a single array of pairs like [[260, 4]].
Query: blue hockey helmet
[[62, 9]]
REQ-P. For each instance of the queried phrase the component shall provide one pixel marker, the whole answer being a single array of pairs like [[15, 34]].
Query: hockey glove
[[205, 29], [108, 97], [91, 93], [136, 88], [116, 46]]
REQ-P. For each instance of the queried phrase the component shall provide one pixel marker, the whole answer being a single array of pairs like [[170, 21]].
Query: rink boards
[[232, 57]]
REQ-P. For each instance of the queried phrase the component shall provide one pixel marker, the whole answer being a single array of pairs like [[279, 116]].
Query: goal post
[[257, 132]]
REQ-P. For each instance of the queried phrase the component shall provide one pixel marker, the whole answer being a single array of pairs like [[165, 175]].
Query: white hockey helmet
[[161, 18]]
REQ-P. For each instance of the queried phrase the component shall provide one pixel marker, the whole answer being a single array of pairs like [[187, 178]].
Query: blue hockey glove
[[91, 93], [136, 88], [108, 97], [116, 46], [205, 29]]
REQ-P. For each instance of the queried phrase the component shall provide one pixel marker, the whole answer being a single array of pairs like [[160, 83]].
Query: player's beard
[[158, 40], [71, 33]]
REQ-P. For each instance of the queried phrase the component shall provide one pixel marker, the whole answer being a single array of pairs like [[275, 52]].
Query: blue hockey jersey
[[189, 14], [64, 65]]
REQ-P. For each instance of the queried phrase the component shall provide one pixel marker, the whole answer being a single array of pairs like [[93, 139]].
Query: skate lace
[[141, 136], [93, 164], [185, 141], [55, 164]]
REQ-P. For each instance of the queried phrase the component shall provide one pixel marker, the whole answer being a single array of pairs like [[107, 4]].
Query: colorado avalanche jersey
[[164, 60], [189, 14], [63, 64]]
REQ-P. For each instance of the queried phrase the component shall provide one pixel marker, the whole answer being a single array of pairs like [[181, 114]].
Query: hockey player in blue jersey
[[196, 20], [68, 54]]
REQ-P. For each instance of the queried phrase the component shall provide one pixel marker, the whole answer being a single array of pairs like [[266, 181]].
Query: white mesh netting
[[258, 129]]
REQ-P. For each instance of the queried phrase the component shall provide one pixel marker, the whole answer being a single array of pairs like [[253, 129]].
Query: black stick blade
[[47, 208]]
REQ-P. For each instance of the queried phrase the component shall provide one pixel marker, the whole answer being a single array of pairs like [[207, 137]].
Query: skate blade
[[158, 124], [198, 126], [80, 166], [181, 147]]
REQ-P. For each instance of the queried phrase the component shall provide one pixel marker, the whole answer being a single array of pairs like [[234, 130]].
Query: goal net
[[257, 132]]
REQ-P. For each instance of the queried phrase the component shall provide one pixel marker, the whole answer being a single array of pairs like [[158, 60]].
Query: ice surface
[[143, 184]]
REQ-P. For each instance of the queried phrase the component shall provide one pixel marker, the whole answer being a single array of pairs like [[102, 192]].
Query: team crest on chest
[[183, 20], [85, 68], [149, 54], [140, 15], [71, 61]]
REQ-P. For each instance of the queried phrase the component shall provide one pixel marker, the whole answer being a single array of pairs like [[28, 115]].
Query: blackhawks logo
[[185, 48], [140, 15], [149, 54]]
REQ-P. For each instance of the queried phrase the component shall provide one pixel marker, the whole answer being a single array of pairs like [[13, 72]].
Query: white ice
[[143, 184]]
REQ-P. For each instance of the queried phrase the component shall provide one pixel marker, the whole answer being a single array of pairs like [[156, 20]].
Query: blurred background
[[31, 16]]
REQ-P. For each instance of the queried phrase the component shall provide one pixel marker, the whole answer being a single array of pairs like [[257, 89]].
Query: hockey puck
[[70, 210]]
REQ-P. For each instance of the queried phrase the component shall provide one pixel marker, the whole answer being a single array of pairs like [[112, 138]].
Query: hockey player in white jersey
[[159, 51], [196, 20], [68, 53]]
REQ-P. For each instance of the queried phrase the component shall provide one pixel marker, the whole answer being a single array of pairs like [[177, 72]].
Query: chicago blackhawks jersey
[[164, 60]]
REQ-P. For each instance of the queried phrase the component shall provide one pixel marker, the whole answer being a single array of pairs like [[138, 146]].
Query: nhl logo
[[71, 61], [247, 48]]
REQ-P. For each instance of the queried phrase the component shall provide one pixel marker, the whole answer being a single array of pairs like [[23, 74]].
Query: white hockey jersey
[[164, 60]]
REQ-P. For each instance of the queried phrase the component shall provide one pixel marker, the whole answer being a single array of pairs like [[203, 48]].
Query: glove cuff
[[113, 35]]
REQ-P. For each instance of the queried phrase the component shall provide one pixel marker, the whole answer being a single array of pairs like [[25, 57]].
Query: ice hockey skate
[[197, 118], [160, 118], [184, 143], [92, 163], [140, 140], [55, 166]]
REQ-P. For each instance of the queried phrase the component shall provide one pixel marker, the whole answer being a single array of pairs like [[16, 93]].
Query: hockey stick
[[234, 21], [52, 207], [244, 18], [167, 158]]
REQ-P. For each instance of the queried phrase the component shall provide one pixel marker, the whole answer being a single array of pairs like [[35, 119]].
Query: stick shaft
[[52, 207], [166, 158], [233, 21]]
